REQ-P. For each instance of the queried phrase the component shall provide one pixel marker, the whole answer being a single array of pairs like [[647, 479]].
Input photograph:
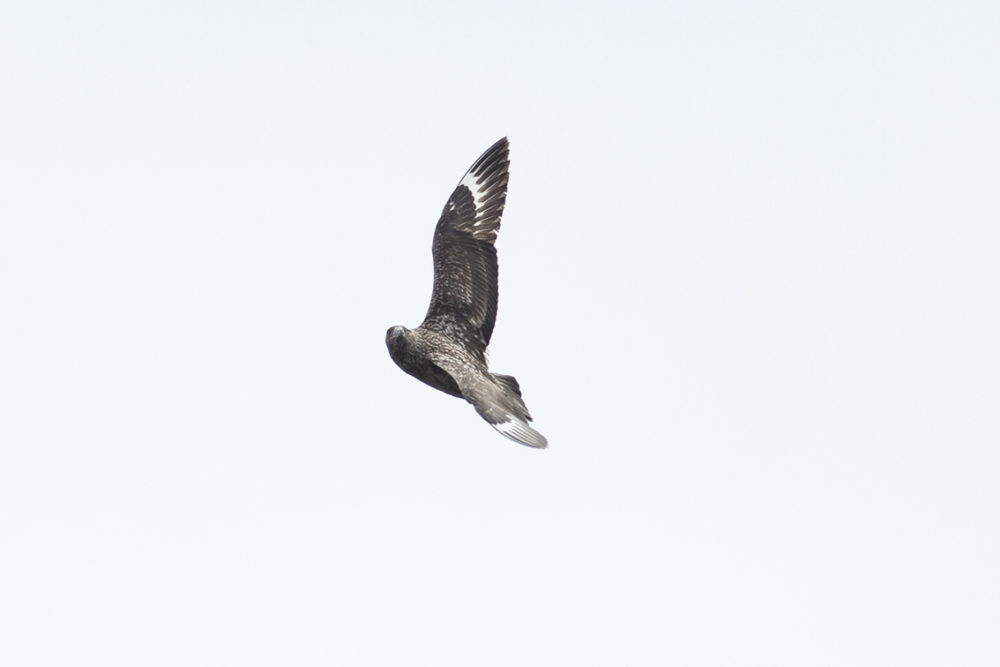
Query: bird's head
[[394, 334], [397, 339]]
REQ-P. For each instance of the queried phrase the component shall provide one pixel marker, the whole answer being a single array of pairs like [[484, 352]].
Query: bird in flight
[[448, 350]]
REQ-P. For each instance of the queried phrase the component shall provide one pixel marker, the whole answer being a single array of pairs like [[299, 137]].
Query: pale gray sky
[[748, 281]]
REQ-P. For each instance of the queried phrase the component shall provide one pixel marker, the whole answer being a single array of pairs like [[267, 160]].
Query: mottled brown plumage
[[448, 350]]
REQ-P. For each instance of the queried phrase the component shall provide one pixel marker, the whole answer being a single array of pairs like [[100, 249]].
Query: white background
[[748, 282]]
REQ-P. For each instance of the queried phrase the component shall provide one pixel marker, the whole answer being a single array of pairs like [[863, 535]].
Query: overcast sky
[[748, 283]]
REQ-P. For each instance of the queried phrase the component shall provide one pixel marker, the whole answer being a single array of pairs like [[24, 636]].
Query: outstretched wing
[[501, 405], [464, 301]]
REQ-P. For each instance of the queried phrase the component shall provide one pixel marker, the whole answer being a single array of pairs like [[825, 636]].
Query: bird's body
[[448, 350]]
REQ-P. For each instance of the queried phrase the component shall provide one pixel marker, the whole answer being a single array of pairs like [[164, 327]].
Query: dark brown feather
[[464, 300]]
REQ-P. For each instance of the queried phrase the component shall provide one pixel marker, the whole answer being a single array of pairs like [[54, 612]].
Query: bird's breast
[[415, 361]]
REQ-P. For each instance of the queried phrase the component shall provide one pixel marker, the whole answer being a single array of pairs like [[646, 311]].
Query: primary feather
[[448, 350]]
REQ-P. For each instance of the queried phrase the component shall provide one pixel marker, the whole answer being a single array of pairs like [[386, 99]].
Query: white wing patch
[[519, 431], [478, 194]]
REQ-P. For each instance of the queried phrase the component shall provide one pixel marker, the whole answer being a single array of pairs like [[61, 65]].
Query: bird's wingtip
[[519, 431]]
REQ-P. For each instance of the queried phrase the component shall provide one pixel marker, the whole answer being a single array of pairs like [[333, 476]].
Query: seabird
[[448, 350]]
